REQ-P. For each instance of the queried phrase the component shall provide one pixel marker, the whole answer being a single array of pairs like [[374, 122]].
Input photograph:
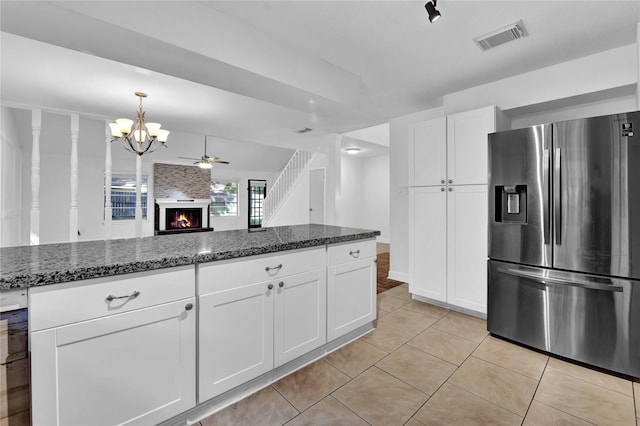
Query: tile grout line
[[533, 398]]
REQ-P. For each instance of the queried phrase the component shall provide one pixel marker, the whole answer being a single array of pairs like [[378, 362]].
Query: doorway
[[257, 191], [316, 196]]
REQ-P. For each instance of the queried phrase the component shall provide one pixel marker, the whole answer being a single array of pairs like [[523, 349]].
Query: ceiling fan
[[206, 161]]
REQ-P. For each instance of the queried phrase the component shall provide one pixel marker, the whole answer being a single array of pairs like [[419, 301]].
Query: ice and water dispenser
[[511, 203]]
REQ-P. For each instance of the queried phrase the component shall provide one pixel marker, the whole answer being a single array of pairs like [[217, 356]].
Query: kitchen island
[[173, 328]]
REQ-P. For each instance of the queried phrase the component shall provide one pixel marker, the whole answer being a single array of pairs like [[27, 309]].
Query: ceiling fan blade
[[188, 158], [220, 161]]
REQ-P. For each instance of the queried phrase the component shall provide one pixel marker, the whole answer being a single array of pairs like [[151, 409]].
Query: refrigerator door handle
[[557, 202], [573, 282], [546, 222]]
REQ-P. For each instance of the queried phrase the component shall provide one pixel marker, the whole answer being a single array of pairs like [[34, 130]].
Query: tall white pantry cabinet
[[448, 208]]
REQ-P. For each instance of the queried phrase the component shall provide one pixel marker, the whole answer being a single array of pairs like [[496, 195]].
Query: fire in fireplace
[[182, 218]]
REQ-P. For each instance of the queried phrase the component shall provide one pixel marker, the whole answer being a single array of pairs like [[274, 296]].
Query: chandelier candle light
[[146, 136]]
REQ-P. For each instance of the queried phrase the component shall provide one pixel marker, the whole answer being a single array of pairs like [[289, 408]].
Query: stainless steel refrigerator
[[564, 239]]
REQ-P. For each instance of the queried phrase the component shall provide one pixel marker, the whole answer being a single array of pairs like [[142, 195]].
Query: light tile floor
[[425, 365]]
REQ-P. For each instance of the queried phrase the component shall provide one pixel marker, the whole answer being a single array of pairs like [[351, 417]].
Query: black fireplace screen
[[183, 218]]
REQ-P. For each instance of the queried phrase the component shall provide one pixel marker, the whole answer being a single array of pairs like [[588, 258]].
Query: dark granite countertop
[[28, 266]]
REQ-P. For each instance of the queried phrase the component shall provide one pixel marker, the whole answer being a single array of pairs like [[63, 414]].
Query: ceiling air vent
[[500, 36], [305, 130]]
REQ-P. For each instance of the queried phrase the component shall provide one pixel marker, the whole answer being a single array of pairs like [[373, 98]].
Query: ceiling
[[258, 71]]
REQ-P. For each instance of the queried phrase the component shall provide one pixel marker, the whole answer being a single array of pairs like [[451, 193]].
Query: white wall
[[10, 182], [350, 209], [375, 192]]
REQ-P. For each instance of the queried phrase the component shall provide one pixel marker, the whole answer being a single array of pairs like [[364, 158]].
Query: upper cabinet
[[453, 149], [428, 152]]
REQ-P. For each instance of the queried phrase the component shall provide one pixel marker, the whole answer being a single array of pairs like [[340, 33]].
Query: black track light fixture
[[434, 14]]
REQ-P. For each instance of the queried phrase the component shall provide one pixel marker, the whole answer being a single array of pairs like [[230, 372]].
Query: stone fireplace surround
[[181, 187]]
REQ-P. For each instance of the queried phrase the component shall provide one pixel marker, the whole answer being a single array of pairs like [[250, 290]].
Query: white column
[[108, 210], [73, 211], [138, 196], [333, 180], [36, 124]]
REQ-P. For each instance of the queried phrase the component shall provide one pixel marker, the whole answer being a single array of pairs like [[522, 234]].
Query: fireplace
[[183, 218], [176, 216]]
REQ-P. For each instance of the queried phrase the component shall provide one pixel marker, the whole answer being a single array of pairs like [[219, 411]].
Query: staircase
[[289, 177]]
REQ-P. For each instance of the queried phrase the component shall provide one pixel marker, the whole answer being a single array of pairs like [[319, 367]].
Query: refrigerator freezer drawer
[[586, 318]]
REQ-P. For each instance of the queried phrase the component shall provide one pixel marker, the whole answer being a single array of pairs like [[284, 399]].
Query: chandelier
[[142, 137]]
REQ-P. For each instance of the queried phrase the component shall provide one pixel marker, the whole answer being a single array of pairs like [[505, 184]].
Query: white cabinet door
[[467, 145], [132, 368], [428, 152], [300, 320], [467, 247], [428, 242], [351, 296], [236, 337]]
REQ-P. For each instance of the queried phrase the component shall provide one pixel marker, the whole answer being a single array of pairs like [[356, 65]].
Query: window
[[123, 197], [257, 192], [224, 197]]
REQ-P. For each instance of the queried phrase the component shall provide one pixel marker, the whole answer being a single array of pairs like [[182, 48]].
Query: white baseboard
[[398, 276]]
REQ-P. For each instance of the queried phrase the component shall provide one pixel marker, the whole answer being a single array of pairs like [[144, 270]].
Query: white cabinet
[[467, 211], [351, 287], [235, 336], [258, 314], [468, 145], [428, 242], [448, 245], [113, 360], [428, 152], [448, 207], [452, 149], [300, 313]]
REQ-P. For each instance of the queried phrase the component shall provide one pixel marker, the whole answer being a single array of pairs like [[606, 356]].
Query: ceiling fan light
[[204, 165], [125, 125], [115, 130], [434, 14], [153, 128], [163, 135]]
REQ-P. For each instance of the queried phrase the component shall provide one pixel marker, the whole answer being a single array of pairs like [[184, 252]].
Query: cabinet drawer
[[60, 304], [348, 252], [228, 274]]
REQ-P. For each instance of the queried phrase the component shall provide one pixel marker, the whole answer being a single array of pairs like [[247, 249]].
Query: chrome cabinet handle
[[450, 180], [270, 286], [275, 268], [442, 189], [281, 284], [355, 253], [442, 181], [189, 306], [450, 189], [133, 295]]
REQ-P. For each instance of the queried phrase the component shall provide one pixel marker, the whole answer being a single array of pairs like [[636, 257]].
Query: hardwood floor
[[384, 283]]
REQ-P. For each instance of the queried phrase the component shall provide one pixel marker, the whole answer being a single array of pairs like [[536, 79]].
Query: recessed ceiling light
[[352, 150]]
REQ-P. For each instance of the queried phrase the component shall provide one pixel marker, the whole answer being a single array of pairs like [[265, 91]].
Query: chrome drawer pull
[[275, 268], [133, 295], [355, 253]]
